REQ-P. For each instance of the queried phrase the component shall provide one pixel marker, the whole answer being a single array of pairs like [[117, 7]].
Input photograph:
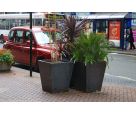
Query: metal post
[[94, 26], [31, 44], [122, 34]]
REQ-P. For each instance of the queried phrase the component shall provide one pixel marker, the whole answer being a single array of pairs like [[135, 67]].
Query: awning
[[108, 15]]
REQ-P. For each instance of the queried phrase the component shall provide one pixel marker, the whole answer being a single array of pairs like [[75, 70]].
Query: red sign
[[114, 30]]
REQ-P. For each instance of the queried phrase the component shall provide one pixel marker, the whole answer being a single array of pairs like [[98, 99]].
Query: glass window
[[11, 34], [27, 36], [58, 35], [18, 36], [101, 26], [4, 24], [42, 38], [38, 22], [54, 35]]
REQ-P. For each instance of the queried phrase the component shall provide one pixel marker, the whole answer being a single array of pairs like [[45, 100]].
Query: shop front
[[114, 25]]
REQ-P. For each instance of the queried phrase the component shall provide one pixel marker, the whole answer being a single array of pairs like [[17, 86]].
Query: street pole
[[30, 44]]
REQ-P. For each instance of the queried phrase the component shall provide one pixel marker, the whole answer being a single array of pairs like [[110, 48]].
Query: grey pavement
[[18, 86], [121, 70], [126, 52]]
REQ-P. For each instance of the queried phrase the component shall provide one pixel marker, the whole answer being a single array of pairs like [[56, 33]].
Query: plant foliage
[[6, 57], [73, 29], [90, 48]]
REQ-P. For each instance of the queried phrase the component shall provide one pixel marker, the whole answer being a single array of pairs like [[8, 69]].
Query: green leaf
[[90, 48]]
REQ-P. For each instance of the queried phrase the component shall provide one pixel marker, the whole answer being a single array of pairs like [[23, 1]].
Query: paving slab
[[17, 86]]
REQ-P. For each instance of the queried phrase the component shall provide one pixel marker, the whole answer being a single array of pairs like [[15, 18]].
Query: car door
[[26, 48], [15, 44], [18, 41], [10, 44]]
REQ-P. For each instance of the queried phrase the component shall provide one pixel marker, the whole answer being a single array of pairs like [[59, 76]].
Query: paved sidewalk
[[127, 52], [18, 86]]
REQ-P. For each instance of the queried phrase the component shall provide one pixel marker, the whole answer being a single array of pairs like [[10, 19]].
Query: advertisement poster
[[114, 30]]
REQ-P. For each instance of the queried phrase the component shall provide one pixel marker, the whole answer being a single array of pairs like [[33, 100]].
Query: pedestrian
[[127, 39], [131, 41]]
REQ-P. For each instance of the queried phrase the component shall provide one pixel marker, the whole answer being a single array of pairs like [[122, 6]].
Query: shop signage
[[114, 30], [54, 16]]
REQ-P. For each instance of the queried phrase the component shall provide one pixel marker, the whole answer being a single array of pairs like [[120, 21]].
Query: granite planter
[[88, 78], [55, 76], [5, 67]]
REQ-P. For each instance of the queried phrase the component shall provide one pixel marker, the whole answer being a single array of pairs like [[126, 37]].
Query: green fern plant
[[90, 48]]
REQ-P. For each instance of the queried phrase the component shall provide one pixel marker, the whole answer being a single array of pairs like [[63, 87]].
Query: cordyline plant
[[73, 29]]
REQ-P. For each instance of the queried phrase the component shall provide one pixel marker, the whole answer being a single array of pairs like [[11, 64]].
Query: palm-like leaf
[[90, 48]]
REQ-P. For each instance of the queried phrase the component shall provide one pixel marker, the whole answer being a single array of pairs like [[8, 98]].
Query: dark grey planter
[[55, 77], [88, 78]]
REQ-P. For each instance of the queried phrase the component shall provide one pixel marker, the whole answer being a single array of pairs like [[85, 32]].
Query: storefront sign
[[114, 30], [54, 16]]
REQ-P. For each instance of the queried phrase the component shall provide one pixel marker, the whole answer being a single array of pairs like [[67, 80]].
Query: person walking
[[127, 39], [131, 39]]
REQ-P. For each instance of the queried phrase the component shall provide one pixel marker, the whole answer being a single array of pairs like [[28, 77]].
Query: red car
[[19, 43]]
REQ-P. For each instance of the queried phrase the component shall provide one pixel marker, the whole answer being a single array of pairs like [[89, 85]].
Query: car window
[[54, 35], [27, 36], [11, 34], [42, 38], [58, 35], [16, 36], [19, 36]]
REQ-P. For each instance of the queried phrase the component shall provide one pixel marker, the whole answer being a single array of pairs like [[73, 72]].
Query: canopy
[[108, 15]]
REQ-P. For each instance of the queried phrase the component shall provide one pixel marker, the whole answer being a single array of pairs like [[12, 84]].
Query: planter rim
[[92, 63], [5, 63], [57, 62]]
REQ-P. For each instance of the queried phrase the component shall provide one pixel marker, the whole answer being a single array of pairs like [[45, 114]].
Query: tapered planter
[[88, 78], [5, 67], [55, 77]]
